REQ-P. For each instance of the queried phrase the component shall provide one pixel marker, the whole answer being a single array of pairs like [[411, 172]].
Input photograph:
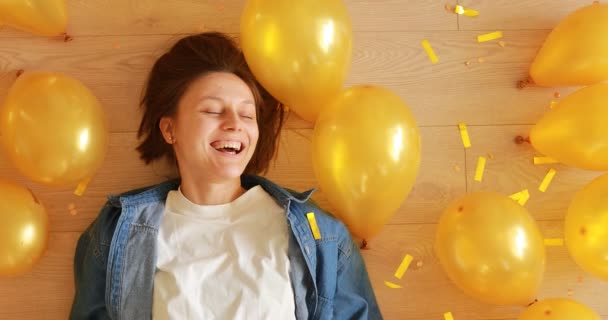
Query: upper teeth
[[229, 144]]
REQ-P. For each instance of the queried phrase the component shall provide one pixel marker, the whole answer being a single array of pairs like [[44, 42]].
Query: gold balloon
[[300, 51], [574, 132], [53, 129], [576, 51], [586, 227], [43, 17], [366, 154], [491, 248], [558, 309], [23, 231]]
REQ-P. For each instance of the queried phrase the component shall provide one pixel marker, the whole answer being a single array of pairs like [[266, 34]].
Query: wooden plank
[[115, 68], [136, 17], [427, 292], [512, 170], [28, 296], [518, 15], [440, 178]]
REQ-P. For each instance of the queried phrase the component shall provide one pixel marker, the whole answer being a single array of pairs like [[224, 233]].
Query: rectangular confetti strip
[[521, 197], [481, 165], [392, 285], [448, 316], [547, 180], [489, 36], [313, 225], [464, 134], [544, 160], [403, 266], [465, 11], [429, 51], [555, 242], [82, 187]]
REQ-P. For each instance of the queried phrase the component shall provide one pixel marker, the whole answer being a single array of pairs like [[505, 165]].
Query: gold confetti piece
[[544, 160], [547, 180], [481, 164], [489, 36], [392, 285], [491, 156], [467, 63], [429, 51], [448, 316], [465, 11], [403, 266], [521, 197], [419, 264], [556, 242], [502, 43], [552, 104], [82, 187], [464, 134], [313, 225]]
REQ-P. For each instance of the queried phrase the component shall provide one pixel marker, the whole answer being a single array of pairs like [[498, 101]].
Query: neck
[[202, 192]]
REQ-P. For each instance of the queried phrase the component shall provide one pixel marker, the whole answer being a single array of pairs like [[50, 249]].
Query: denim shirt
[[115, 259]]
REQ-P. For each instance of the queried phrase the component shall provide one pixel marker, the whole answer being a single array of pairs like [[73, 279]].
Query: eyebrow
[[203, 98]]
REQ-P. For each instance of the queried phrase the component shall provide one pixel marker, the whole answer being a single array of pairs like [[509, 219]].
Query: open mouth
[[229, 147]]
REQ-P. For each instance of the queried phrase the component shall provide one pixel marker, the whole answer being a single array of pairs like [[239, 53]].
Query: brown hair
[[190, 58]]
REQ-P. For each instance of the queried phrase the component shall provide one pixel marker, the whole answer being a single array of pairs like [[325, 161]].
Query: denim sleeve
[[90, 261], [355, 297]]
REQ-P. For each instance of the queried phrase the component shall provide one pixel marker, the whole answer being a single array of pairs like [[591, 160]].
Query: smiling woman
[[219, 242]]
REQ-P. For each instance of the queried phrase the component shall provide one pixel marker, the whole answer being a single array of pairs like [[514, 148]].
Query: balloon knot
[[521, 84], [67, 37], [363, 245], [19, 73], [520, 139]]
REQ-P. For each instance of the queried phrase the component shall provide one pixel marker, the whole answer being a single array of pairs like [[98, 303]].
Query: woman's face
[[215, 131]]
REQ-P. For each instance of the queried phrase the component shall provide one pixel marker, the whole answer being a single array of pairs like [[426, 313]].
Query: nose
[[231, 121]]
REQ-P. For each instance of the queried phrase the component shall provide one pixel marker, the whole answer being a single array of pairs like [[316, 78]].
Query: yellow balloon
[[575, 131], [586, 227], [491, 248], [23, 231], [53, 129], [300, 51], [558, 309], [43, 17], [576, 51], [366, 155]]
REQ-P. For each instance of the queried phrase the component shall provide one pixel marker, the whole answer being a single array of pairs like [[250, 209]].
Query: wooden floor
[[115, 42]]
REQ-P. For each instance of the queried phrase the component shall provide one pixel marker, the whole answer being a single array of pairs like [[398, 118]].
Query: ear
[[166, 128]]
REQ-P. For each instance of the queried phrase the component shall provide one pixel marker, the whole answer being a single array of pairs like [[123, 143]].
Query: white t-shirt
[[224, 261]]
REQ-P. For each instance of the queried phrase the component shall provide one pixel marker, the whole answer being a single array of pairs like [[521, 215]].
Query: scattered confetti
[[403, 266], [489, 36], [465, 11], [481, 164], [547, 180], [521, 197], [429, 51], [544, 160], [82, 187], [556, 242], [464, 134], [491, 156], [392, 285], [419, 264], [313, 225], [448, 316], [467, 63], [502, 44]]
